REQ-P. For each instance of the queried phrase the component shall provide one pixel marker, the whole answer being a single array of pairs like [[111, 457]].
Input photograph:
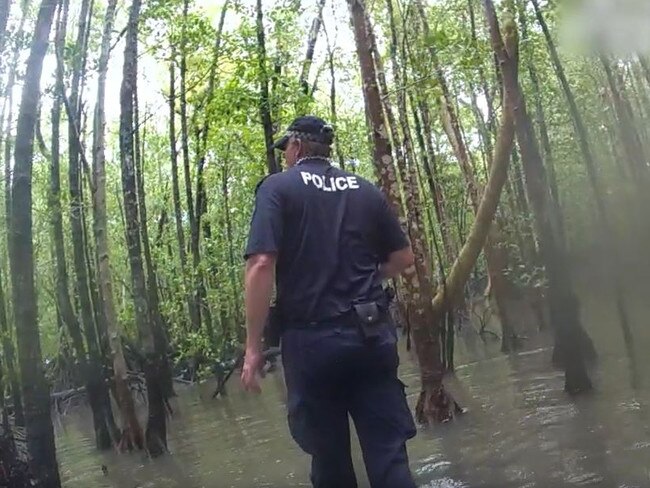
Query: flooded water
[[521, 430]]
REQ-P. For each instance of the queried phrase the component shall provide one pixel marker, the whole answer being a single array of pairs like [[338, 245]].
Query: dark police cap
[[307, 127]]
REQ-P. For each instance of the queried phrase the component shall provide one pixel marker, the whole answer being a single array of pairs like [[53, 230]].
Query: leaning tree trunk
[[495, 250], [272, 164], [440, 406], [36, 396], [132, 435], [573, 343], [156, 434], [64, 304]]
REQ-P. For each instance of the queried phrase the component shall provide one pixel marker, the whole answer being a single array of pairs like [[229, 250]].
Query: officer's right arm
[[394, 248], [264, 243]]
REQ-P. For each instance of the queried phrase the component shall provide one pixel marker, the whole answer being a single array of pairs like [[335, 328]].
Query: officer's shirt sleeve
[[265, 235], [390, 234]]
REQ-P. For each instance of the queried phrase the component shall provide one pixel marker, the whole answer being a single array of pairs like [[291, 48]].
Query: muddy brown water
[[521, 430]]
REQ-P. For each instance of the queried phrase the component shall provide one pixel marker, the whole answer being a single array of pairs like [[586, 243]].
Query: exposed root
[[131, 439], [436, 406]]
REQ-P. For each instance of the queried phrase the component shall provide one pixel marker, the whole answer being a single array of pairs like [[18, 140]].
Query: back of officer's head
[[306, 136]]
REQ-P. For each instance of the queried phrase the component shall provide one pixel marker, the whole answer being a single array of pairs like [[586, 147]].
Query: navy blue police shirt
[[330, 230]]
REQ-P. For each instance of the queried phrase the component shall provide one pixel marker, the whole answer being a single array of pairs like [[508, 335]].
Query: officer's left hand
[[250, 375]]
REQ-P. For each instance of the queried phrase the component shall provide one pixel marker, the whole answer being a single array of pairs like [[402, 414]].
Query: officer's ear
[[299, 147]]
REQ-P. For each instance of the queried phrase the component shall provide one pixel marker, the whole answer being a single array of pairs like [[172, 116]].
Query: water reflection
[[521, 430]]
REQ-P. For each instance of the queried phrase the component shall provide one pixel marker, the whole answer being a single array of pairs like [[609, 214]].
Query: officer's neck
[[312, 159]]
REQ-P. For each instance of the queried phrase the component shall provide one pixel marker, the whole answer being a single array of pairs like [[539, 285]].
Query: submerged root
[[436, 406]]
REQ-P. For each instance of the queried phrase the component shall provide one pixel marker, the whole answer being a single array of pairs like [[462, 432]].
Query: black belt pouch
[[369, 317]]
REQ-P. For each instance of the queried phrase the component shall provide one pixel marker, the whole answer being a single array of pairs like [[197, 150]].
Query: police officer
[[330, 238]]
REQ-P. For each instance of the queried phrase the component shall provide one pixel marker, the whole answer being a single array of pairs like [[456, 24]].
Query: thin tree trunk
[[7, 342], [184, 130], [195, 317], [573, 343], [201, 205], [491, 122], [311, 46], [449, 254], [5, 7], [272, 164], [156, 433], [54, 203], [433, 179], [95, 383], [10, 364], [333, 111], [628, 134], [132, 435], [8, 105], [229, 240], [645, 67], [36, 397], [157, 319]]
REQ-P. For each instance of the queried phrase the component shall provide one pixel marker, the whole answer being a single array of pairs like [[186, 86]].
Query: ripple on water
[[445, 483]]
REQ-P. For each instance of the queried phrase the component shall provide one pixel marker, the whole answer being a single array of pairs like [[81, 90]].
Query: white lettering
[[328, 188], [318, 181], [330, 183], [353, 183], [341, 183]]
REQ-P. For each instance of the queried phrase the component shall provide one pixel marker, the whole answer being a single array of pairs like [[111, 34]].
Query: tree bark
[[36, 397], [272, 164], [230, 240], [573, 343], [132, 435], [156, 433]]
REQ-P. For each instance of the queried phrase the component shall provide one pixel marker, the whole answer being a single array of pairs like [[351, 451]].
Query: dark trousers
[[331, 372]]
